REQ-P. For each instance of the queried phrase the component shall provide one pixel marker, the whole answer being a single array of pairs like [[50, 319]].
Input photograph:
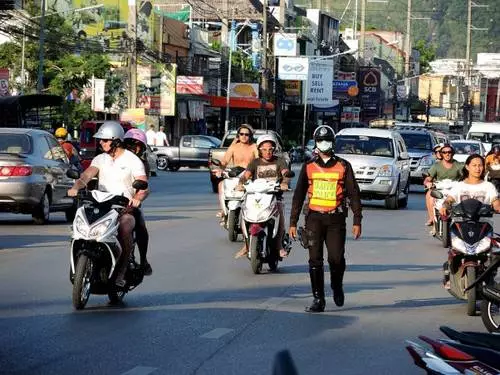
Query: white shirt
[[116, 176], [150, 136], [161, 139], [484, 192]]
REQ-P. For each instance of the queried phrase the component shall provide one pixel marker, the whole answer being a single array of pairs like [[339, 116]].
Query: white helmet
[[110, 130], [266, 138]]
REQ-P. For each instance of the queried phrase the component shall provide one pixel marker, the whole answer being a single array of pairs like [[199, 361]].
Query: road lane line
[[140, 370], [216, 333]]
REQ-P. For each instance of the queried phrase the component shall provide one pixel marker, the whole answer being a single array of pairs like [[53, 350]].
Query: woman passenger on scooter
[[472, 186], [273, 168], [135, 141]]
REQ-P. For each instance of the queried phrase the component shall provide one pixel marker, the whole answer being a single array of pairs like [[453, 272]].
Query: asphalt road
[[203, 312]]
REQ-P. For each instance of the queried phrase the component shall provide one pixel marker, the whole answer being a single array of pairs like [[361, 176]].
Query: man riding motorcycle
[[239, 154], [117, 169], [270, 167], [135, 141], [61, 135]]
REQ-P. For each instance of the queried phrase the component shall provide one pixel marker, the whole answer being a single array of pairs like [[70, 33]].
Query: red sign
[[189, 85], [4, 82]]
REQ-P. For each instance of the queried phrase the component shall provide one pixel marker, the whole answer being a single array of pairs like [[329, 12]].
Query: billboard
[[189, 85], [319, 83], [167, 90], [285, 44], [369, 91], [244, 90], [293, 68], [4, 82]]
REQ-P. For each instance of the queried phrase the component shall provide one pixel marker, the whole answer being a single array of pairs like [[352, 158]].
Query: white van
[[486, 132]]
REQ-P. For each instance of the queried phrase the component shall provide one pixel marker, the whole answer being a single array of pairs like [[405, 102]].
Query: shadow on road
[[165, 217], [20, 241], [304, 268]]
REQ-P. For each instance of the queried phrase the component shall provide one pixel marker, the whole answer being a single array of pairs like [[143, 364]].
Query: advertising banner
[[4, 82], [189, 85], [244, 90], [341, 86], [345, 76], [319, 83], [293, 68], [285, 44], [350, 115], [144, 87], [167, 90], [136, 116], [98, 93], [369, 91]]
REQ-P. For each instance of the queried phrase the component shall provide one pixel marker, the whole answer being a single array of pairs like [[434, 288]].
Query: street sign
[[342, 86], [319, 82], [293, 68], [285, 44]]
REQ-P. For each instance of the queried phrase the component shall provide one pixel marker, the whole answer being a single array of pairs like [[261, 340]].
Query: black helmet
[[324, 133]]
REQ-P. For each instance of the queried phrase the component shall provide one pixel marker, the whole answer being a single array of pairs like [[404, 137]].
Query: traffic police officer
[[329, 183]]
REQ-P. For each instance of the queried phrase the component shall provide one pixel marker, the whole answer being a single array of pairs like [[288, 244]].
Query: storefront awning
[[247, 103]]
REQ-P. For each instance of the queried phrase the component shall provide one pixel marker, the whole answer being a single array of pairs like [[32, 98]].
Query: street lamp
[[317, 58], [231, 41]]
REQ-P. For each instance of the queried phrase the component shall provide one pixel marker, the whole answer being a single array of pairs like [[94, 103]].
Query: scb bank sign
[[319, 82]]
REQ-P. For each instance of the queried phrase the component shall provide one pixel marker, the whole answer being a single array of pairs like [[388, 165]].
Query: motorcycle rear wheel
[[445, 235], [232, 233], [82, 282], [490, 315], [471, 294], [254, 248]]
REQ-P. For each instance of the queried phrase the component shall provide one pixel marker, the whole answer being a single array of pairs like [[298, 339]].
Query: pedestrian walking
[[329, 183], [161, 137], [151, 135]]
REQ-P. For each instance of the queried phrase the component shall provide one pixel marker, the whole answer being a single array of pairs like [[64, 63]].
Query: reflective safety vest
[[326, 186]]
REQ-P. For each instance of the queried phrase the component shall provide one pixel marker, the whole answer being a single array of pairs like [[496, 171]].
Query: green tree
[[427, 54]]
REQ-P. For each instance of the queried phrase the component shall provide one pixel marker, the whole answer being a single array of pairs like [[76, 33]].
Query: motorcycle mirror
[[216, 162], [73, 174], [140, 185], [290, 174], [436, 194]]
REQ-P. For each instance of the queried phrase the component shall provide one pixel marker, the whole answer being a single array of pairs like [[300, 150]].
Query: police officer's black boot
[[338, 290], [318, 289]]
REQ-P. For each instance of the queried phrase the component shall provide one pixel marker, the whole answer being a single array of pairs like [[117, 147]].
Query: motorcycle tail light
[[447, 351]]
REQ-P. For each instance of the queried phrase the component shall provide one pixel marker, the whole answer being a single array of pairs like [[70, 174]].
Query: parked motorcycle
[[465, 353], [439, 191], [95, 248], [490, 290], [471, 231], [261, 218]]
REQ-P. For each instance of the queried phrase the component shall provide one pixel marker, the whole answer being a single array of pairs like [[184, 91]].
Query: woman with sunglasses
[[239, 154], [446, 168]]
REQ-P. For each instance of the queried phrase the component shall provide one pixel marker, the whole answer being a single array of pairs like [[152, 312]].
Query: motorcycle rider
[[239, 154], [492, 165], [273, 168], [117, 169], [135, 141], [447, 168], [429, 202], [329, 183], [61, 135]]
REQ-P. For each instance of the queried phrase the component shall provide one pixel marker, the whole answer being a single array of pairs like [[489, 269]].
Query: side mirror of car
[[290, 174], [73, 174], [154, 149], [436, 194], [404, 155], [140, 185]]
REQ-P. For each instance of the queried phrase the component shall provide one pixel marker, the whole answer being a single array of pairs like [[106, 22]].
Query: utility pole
[[394, 99], [132, 64], [362, 32], [466, 106], [264, 59], [39, 86], [408, 40]]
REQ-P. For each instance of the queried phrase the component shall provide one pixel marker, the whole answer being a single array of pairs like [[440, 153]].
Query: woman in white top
[[472, 186]]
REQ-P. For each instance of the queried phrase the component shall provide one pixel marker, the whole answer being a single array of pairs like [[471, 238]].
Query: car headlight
[[385, 171], [80, 226], [427, 160], [100, 229]]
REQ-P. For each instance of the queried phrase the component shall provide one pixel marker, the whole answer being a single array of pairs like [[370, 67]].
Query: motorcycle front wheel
[[490, 314], [471, 294], [255, 245], [82, 282]]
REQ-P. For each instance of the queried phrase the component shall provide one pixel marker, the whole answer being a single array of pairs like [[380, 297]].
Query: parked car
[[465, 148], [419, 143], [152, 160], [380, 162], [218, 153], [33, 177], [193, 151]]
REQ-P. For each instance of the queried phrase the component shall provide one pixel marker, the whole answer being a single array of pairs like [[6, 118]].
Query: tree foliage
[[427, 54]]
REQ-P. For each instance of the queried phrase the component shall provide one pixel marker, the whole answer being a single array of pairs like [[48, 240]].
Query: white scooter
[[231, 202], [439, 192], [261, 219]]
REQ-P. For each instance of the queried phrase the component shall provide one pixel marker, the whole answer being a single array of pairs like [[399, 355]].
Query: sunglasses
[[244, 134], [266, 149], [446, 152], [105, 140]]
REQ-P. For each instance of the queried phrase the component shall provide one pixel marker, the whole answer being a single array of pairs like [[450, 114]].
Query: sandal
[[429, 223], [284, 253], [240, 254], [219, 214]]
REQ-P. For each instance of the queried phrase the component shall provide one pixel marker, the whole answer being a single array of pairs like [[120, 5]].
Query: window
[[417, 141], [187, 142], [56, 150], [203, 143], [15, 143], [364, 145]]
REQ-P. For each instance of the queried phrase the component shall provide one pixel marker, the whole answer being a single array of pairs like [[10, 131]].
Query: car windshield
[[417, 141], [310, 144], [15, 143], [364, 145], [465, 148]]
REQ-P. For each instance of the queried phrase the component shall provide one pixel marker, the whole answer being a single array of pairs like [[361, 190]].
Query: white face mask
[[324, 146]]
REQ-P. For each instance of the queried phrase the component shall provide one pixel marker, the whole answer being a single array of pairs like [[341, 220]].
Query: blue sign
[[342, 86]]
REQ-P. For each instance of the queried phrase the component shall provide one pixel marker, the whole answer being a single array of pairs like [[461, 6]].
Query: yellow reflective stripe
[[323, 202], [325, 176]]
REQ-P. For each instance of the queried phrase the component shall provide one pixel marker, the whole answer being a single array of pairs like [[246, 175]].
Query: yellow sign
[[167, 90]]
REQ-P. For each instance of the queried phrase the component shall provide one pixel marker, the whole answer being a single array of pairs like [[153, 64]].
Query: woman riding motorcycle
[[135, 141], [117, 169]]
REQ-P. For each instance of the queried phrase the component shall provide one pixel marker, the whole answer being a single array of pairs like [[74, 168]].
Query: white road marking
[[140, 370], [216, 333]]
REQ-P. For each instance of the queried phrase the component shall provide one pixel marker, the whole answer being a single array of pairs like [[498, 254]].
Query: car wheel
[[403, 202], [42, 211], [392, 202], [162, 163]]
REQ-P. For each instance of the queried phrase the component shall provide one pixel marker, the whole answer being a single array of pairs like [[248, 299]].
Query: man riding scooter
[[117, 168]]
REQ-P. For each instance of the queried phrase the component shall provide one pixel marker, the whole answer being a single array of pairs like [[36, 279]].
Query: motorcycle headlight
[[385, 171], [427, 160], [100, 229], [483, 245], [80, 226]]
